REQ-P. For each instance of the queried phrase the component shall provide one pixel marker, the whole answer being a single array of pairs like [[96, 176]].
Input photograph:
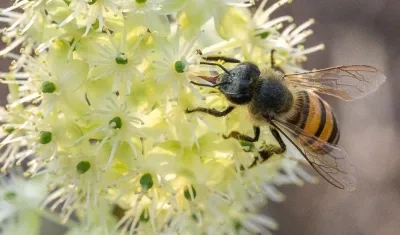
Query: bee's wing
[[331, 162], [347, 82]]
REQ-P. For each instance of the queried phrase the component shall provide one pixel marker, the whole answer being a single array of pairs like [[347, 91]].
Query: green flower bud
[[121, 58], [187, 195], [96, 24], [45, 137], [180, 66], [144, 216], [117, 121], [146, 181], [10, 195], [48, 87], [9, 129], [83, 167]]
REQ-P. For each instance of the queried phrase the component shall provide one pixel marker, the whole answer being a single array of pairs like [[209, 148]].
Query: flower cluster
[[96, 113]]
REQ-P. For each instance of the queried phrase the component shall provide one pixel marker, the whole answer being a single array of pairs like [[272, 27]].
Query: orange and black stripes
[[315, 117], [334, 138]]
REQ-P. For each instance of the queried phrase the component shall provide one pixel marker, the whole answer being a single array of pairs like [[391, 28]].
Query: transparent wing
[[331, 162], [347, 82]]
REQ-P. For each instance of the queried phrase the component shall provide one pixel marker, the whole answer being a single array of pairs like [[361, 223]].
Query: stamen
[[302, 27]]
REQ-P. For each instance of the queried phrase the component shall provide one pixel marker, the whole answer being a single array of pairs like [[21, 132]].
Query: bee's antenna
[[215, 64]]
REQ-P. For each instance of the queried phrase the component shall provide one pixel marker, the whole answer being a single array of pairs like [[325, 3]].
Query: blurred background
[[354, 32]]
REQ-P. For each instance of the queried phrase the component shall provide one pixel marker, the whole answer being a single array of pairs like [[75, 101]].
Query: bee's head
[[237, 83]]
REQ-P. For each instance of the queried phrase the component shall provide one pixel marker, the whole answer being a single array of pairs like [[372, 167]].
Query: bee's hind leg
[[278, 138]]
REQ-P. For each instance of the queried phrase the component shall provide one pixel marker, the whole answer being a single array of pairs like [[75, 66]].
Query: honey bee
[[290, 106]]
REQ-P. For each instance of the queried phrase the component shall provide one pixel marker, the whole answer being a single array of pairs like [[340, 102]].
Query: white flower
[[114, 57], [191, 18], [22, 24], [97, 103], [19, 201], [153, 14], [116, 124], [173, 61], [87, 13], [78, 183], [17, 134]]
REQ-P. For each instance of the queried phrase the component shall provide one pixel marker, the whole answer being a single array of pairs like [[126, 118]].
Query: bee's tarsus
[[254, 163]]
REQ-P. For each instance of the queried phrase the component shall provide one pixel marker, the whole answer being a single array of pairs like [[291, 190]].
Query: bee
[[290, 106]]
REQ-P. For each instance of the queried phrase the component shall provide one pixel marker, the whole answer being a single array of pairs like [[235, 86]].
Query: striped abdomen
[[315, 117]]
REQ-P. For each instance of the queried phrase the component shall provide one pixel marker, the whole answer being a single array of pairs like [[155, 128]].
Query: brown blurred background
[[354, 32]]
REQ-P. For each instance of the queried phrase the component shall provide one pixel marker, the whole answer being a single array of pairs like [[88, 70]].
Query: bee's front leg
[[221, 58], [212, 112]]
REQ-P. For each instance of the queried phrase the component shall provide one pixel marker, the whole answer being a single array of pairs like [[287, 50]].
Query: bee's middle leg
[[240, 136], [270, 150]]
